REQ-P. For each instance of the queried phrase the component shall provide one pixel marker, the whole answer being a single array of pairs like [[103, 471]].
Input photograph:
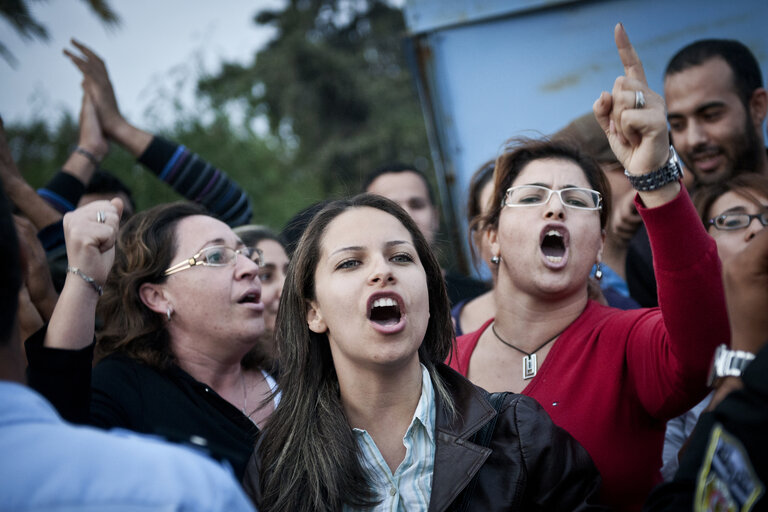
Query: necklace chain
[[245, 393], [530, 364]]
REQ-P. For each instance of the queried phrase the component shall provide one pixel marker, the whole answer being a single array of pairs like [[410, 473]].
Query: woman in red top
[[611, 378]]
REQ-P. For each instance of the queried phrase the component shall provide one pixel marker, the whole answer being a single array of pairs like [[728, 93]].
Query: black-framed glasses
[[732, 221], [535, 195], [216, 256]]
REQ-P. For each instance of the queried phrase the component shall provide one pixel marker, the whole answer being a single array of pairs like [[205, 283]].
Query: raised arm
[[90, 233], [37, 276], [64, 190], [668, 351], [20, 192], [97, 84], [186, 172]]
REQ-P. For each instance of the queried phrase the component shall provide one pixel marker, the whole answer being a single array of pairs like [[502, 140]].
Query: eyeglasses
[[535, 195], [217, 256], [732, 221]]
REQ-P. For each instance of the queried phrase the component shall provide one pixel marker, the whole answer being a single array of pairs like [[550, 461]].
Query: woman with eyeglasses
[[734, 211], [181, 311], [611, 378]]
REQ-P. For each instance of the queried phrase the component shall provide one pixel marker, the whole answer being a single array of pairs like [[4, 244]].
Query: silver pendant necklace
[[530, 365]]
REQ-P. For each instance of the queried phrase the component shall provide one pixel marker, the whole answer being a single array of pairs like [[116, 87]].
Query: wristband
[[90, 156]]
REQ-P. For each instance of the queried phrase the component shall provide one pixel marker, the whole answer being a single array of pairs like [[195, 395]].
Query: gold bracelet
[[88, 279]]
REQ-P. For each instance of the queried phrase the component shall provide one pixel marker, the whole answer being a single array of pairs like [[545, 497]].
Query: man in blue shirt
[[48, 464]]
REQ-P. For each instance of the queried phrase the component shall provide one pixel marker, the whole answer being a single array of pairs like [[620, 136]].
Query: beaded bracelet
[[87, 279]]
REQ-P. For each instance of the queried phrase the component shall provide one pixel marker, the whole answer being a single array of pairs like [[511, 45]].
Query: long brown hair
[[309, 456], [145, 247]]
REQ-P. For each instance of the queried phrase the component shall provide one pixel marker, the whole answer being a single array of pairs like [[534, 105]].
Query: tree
[[334, 84], [17, 14]]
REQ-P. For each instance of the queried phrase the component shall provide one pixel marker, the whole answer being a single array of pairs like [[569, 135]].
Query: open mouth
[[553, 246], [385, 312], [249, 298]]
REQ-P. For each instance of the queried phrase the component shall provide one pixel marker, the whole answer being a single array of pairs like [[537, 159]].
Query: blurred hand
[[91, 244], [37, 275], [91, 137], [745, 276], [625, 220], [96, 83], [30, 320]]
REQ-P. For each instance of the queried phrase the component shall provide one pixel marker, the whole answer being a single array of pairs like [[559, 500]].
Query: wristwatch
[[667, 173], [728, 363]]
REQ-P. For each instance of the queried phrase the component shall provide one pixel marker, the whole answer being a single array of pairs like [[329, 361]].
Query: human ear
[[758, 106], [493, 241], [153, 296], [602, 246], [315, 319]]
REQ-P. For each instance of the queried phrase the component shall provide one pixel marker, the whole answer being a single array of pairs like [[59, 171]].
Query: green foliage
[[333, 83], [17, 14], [39, 151], [335, 93]]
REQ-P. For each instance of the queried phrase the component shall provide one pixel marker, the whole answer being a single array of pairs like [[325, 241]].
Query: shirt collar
[[425, 409]]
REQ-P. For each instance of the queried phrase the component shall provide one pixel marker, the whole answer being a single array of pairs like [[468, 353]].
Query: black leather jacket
[[530, 465]]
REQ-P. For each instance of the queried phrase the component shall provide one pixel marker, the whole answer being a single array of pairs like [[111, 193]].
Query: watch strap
[[667, 173], [729, 363]]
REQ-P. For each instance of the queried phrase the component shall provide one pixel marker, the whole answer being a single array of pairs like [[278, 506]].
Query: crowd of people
[[180, 358]]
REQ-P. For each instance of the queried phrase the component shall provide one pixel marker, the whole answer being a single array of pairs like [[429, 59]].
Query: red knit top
[[613, 378]]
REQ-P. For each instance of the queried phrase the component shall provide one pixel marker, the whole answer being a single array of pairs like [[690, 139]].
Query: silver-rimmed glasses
[[732, 221], [535, 195], [216, 256]]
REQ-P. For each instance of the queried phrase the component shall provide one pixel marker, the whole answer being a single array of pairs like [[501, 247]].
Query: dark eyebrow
[[735, 209], [561, 188], [397, 242], [391, 243], [220, 241], [707, 106], [349, 248], [699, 110]]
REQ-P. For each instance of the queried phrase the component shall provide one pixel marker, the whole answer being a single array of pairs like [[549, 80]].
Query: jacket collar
[[456, 458]]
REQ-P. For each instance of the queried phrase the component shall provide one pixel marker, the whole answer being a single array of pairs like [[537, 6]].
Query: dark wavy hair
[[145, 247], [519, 152], [309, 456]]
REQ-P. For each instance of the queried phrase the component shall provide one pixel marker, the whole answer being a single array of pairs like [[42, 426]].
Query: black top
[[641, 278], [127, 393]]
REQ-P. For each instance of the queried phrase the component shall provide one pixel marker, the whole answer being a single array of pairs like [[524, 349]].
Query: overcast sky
[[157, 44]]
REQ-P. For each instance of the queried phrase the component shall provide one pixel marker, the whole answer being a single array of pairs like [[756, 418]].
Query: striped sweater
[[174, 164]]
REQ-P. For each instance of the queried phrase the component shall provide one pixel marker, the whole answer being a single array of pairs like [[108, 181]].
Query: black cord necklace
[[530, 366]]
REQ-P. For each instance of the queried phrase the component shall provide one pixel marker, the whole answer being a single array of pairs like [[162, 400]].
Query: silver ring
[[101, 217], [639, 99]]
